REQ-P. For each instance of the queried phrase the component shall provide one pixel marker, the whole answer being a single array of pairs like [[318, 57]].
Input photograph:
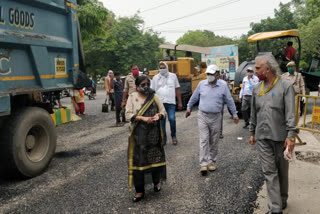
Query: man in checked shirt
[[273, 128]]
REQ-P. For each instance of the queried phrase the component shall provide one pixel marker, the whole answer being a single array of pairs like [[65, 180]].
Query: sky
[[173, 18]]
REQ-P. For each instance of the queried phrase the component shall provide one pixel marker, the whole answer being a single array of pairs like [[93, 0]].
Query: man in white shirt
[[167, 87], [246, 93]]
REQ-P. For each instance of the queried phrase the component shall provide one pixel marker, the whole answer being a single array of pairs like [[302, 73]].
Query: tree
[[306, 10], [202, 38], [92, 18], [310, 40], [246, 50], [283, 20], [307, 15], [133, 45], [124, 44]]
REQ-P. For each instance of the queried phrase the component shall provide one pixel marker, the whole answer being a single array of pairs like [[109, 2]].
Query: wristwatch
[[291, 138]]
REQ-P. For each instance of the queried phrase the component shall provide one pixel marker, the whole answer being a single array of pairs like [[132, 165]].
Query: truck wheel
[[29, 142]]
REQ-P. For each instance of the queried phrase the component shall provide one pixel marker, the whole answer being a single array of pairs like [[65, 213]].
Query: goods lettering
[[21, 19]]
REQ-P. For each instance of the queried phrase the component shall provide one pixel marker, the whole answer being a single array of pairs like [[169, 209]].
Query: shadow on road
[[68, 154]]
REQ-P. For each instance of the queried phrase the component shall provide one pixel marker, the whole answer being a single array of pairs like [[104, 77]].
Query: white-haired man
[[272, 126], [211, 93]]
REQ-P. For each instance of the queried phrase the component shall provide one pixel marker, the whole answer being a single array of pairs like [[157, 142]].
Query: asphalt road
[[89, 172]]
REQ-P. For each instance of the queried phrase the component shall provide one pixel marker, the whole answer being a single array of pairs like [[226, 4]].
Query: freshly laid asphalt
[[89, 172]]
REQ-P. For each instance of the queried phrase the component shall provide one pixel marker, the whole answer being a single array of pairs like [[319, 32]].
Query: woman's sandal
[[137, 199], [157, 188]]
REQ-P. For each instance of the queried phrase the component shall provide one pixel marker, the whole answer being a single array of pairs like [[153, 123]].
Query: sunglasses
[[212, 74], [145, 84]]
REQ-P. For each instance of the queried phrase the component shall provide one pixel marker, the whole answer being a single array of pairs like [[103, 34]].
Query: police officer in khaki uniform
[[129, 84], [295, 78], [297, 82]]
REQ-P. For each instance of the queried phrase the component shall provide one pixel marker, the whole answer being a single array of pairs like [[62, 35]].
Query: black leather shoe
[[284, 205], [156, 188], [137, 199], [246, 125]]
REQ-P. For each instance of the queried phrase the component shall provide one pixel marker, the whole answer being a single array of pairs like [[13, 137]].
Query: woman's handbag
[[105, 107]]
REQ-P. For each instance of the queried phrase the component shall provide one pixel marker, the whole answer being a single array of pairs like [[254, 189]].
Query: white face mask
[[163, 72], [211, 78]]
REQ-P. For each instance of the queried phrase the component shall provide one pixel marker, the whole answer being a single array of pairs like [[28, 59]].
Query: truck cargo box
[[40, 51], [38, 47]]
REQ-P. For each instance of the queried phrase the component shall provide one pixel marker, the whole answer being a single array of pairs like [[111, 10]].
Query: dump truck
[[184, 67], [264, 48], [40, 51]]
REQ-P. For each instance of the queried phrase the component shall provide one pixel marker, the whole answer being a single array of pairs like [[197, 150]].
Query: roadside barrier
[[62, 115], [315, 122]]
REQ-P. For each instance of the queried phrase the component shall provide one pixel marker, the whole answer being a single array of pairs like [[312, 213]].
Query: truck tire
[[29, 142]]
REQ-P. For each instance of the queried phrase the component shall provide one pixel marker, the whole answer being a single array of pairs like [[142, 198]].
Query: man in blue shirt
[[246, 94], [211, 94]]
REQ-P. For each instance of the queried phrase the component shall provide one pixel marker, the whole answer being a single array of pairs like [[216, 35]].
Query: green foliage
[[115, 44], [304, 65], [133, 45], [306, 10], [92, 19], [203, 38], [283, 20], [124, 44], [247, 51], [111, 43], [310, 39]]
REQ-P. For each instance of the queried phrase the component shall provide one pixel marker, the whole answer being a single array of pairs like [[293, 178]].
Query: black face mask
[[144, 90]]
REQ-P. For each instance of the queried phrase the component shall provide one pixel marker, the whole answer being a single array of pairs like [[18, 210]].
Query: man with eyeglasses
[[167, 87]]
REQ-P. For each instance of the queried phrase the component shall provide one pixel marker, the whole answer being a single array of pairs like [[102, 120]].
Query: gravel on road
[[89, 172]]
